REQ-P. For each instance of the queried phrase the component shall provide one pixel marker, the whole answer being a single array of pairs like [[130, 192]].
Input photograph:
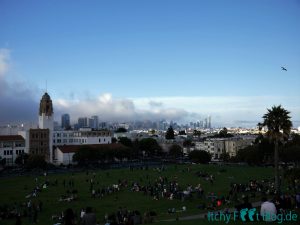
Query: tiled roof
[[11, 138]]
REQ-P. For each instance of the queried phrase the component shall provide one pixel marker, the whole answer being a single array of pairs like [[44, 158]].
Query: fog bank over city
[[19, 101]]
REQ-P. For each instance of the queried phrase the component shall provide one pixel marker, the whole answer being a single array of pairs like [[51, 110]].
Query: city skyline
[[150, 60]]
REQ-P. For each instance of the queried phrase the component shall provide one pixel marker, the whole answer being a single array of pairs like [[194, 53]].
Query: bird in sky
[[282, 68]]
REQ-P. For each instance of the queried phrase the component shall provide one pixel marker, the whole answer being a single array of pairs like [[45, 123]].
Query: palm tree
[[278, 124]]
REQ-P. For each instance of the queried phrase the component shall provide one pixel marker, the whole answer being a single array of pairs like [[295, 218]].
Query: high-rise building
[[65, 121], [46, 113], [205, 123], [95, 123], [103, 125], [209, 122], [82, 122]]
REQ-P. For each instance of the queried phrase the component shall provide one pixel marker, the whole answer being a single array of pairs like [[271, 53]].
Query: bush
[[36, 161], [175, 151]]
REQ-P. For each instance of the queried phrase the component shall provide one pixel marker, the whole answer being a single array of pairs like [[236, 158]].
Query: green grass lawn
[[14, 189]]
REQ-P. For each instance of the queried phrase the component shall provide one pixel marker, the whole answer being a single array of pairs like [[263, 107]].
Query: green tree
[[251, 155], [225, 157], [2, 161], [292, 175], [175, 151], [125, 141], [295, 140], [224, 133], [200, 156], [150, 146], [86, 154], [36, 161], [278, 124], [122, 152], [170, 133], [22, 159], [114, 140], [265, 150], [182, 132], [290, 154], [121, 130], [197, 133], [152, 132], [188, 143]]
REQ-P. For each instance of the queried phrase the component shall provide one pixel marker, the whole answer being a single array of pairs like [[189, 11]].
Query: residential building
[[217, 146], [64, 154], [82, 136], [39, 143], [10, 147]]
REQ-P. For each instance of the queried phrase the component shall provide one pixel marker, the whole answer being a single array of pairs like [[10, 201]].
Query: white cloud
[[225, 109], [229, 110], [155, 104], [16, 98], [115, 109]]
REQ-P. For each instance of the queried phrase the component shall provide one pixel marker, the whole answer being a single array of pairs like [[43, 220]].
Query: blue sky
[[188, 56]]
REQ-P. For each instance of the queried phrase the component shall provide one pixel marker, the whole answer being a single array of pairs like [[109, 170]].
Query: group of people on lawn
[[162, 187]]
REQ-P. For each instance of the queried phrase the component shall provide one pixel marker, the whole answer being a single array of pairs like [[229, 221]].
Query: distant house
[[64, 154], [85, 136], [217, 146]]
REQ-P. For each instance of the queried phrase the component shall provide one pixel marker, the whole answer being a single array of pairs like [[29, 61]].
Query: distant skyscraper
[[82, 122], [95, 122], [103, 125], [209, 122], [65, 121]]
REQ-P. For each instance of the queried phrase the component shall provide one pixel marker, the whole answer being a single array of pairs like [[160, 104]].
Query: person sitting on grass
[[89, 218]]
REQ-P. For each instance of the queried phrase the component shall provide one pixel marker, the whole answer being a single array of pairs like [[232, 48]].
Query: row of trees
[[262, 152], [30, 161], [197, 133], [128, 149], [124, 149]]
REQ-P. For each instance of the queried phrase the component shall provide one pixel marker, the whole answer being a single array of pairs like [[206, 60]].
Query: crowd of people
[[161, 187], [87, 216], [167, 189]]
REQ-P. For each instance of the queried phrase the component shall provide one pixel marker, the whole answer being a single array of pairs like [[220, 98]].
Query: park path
[[203, 215]]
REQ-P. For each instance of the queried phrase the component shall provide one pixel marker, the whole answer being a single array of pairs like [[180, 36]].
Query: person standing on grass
[[69, 218], [89, 218]]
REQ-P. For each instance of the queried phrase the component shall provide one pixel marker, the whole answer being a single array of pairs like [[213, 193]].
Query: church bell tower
[[46, 119]]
